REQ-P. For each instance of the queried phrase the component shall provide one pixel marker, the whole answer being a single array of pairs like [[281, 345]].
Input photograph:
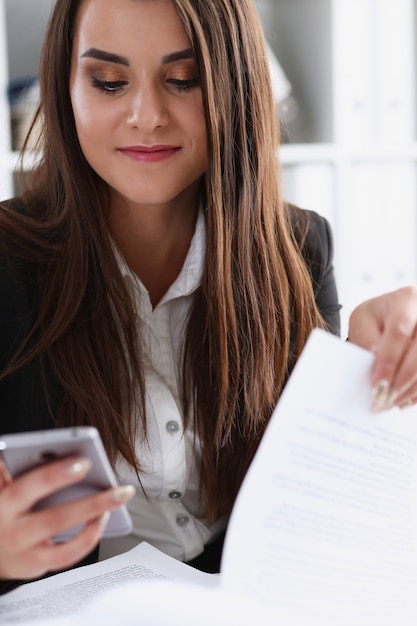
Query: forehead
[[141, 22]]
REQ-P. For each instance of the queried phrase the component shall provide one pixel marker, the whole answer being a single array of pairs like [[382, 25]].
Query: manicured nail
[[103, 520], [383, 397], [392, 397], [124, 493], [77, 467], [406, 405]]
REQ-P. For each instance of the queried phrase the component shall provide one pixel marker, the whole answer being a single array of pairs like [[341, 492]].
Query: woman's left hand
[[387, 326]]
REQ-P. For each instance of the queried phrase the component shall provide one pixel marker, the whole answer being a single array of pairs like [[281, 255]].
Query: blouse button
[[182, 520], [175, 495], [172, 427]]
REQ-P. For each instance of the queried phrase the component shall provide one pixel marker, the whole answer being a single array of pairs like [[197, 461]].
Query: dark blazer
[[23, 405], [314, 235]]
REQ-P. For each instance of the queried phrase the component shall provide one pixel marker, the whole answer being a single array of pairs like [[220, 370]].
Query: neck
[[154, 241]]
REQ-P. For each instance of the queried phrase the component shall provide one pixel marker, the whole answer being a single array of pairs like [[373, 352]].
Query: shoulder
[[17, 285], [313, 235]]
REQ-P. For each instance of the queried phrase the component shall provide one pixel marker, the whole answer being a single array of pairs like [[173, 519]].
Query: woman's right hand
[[27, 549]]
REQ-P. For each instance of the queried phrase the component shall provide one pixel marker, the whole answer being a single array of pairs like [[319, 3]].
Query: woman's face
[[137, 102]]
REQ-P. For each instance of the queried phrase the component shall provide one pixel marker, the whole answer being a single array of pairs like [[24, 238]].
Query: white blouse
[[171, 517]]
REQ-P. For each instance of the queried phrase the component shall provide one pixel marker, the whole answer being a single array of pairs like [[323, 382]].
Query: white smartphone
[[28, 450]]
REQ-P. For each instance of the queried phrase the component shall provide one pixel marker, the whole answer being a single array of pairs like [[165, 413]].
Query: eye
[[109, 87], [184, 85]]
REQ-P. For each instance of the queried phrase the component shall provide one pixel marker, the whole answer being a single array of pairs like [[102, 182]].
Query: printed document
[[324, 529]]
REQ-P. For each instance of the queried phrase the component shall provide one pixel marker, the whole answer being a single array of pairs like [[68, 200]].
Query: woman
[[153, 283]]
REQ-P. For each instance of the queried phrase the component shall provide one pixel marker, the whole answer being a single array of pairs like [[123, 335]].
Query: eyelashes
[[109, 87], [184, 85], [114, 87]]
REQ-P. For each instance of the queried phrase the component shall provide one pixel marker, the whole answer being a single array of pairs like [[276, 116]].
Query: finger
[[407, 398], [79, 512], [40, 526], [365, 329], [392, 348], [25, 491], [63, 555], [49, 557], [406, 374], [408, 404]]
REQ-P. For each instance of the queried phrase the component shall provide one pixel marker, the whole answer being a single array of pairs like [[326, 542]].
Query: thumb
[[365, 329]]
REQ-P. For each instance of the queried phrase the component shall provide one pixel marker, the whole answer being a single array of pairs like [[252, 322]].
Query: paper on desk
[[142, 586], [325, 523], [65, 594]]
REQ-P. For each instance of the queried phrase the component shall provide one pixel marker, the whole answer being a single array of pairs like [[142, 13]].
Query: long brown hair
[[255, 307]]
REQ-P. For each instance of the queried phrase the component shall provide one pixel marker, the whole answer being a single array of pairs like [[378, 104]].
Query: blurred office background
[[345, 76]]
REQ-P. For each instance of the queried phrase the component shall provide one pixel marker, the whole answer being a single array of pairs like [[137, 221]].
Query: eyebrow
[[102, 55], [177, 56], [111, 57]]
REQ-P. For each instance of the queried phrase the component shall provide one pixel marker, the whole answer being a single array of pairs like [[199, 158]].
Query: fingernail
[[103, 520], [383, 397], [406, 405], [124, 493], [77, 467]]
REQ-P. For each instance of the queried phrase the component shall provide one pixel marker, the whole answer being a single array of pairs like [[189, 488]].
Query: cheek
[[203, 144], [90, 122], [89, 114], [80, 110], [196, 122]]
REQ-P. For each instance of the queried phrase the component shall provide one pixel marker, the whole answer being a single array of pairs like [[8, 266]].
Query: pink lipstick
[[149, 154]]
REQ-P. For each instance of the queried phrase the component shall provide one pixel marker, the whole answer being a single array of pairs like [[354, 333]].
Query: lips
[[149, 154]]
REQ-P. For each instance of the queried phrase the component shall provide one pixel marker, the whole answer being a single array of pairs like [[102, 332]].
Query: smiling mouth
[[152, 154]]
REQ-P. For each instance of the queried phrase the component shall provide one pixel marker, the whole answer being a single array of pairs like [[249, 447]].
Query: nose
[[148, 110]]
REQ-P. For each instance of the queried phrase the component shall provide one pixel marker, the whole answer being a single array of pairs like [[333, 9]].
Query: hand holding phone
[[25, 451]]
